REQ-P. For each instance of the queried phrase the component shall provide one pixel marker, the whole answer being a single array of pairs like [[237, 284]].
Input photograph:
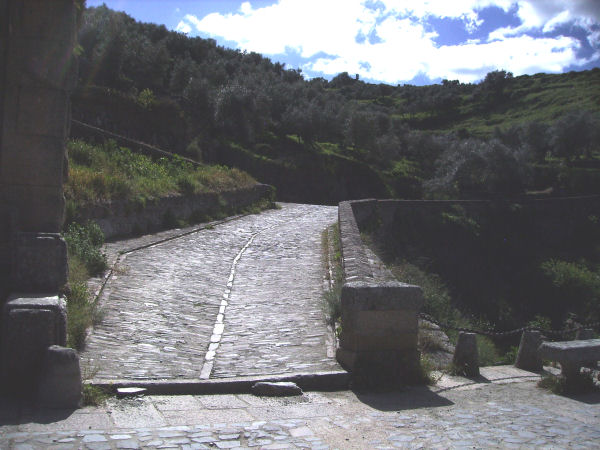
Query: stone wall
[[122, 218]]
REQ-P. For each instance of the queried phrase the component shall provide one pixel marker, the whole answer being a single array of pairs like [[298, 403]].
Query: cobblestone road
[[240, 298], [502, 410]]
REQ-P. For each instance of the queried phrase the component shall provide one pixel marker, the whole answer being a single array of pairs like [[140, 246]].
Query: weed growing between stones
[[429, 375], [582, 383], [332, 257], [84, 242], [93, 395]]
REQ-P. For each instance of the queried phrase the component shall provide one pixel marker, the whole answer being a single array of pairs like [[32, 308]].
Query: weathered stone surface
[[381, 368], [466, 357], [585, 333], [571, 351], [528, 357], [31, 324], [389, 296], [40, 262], [60, 380], [276, 389]]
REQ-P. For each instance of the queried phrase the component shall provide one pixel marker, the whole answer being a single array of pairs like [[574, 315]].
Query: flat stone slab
[[130, 391], [571, 351], [277, 389]]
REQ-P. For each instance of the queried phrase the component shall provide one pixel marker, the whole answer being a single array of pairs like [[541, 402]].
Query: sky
[[392, 41]]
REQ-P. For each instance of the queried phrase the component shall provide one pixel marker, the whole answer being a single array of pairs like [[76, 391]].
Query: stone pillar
[[466, 356], [528, 357], [37, 74], [378, 343]]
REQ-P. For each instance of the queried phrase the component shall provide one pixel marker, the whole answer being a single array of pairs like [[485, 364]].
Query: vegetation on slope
[[99, 174], [191, 96]]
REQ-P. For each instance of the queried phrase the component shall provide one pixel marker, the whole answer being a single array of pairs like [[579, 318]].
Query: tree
[[492, 90], [575, 134], [474, 168]]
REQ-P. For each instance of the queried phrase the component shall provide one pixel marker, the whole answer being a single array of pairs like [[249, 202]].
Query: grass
[[332, 256], [100, 174], [583, 383], [85, 259]]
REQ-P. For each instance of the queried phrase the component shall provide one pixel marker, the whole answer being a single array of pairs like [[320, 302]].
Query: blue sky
[[393, 41]]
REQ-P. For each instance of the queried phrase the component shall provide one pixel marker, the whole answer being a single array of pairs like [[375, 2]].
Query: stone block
[[38, 208], [584, 334], [466, 357], [35, 63], [40, 262], [374, 369], [528, 357], [42, 111], [60, 378], [395, 341], [30, 324], [392, 296], [24, 155], [43, 19], [276, 389]]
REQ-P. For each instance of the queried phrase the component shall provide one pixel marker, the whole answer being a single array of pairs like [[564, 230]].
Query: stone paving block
[[222, 401], [208, 416], [144, 414]]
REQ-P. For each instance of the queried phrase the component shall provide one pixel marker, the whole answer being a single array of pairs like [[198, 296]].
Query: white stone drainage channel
[[215, 339]]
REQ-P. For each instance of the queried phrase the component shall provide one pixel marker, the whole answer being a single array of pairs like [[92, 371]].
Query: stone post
[[528, 357], [466, 356], [38, 72], [378, 343], [584, 333]]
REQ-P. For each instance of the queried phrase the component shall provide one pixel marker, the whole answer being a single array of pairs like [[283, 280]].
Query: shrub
[[576, 288], [84, 242]]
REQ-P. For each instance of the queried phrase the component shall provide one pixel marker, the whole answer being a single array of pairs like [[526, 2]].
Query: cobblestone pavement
[[502, 410], [240, 298]]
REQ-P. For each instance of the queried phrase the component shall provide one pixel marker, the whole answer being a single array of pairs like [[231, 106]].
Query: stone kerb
[[378, 343]]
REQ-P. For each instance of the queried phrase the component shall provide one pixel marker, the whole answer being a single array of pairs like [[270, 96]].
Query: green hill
[[325, 141]]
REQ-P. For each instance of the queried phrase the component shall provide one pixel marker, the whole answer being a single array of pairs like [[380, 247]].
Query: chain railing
[[556, 333]]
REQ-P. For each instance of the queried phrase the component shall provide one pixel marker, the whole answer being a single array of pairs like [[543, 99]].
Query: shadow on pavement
[[17, 411], [411, 398], [590, 398]]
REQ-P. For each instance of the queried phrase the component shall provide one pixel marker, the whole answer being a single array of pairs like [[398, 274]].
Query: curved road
[[242, 298]]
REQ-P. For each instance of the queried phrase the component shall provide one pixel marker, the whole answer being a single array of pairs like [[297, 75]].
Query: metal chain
[[506, 333]]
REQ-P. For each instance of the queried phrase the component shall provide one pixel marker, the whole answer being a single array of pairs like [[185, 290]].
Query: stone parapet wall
[[549, 222], [124, 218]]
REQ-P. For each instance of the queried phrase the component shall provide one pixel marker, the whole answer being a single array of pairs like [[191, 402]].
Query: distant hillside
[[325, 141]]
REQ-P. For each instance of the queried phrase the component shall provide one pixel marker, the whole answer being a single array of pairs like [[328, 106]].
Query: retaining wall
[[125, 218]]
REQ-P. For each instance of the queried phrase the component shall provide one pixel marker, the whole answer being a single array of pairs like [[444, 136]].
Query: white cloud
[[405, 47], [183, 27], [547, 15]]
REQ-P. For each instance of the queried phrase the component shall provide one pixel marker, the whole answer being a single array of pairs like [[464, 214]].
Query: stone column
[[38, 72]]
